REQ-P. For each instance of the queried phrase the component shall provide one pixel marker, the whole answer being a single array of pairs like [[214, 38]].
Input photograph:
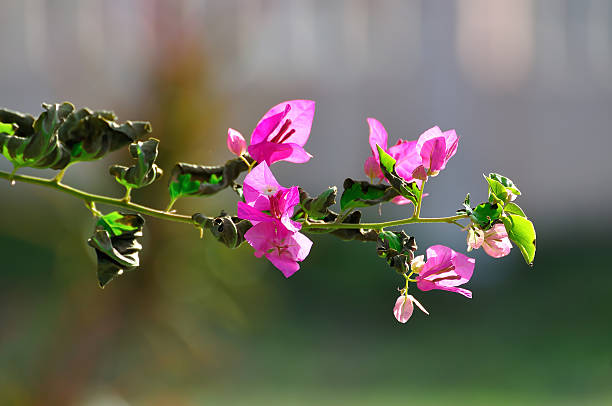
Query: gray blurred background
[[526, 84]]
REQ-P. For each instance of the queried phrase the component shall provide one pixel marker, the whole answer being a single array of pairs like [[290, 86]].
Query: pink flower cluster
[[415, 160], [280, 135]]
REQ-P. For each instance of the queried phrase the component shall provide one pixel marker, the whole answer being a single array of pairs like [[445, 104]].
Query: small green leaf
[[513, 208], [215, 180], [497, 191], [145, 171], [364, 194], [7, 129], [507, 183], [485, 214], [386, 160], [397, 248], [522, 233], [183, 186], [117, 223]]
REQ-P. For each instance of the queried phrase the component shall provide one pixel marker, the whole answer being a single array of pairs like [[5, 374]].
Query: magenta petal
[[271, 152], [286, 265], [371, 167], [378, 136], [445, 269], [269, 122], [433, 154], [260, 181], [247, 212], [260, 236], [301, 115], [400, 200], [433, 132], [301, 246]]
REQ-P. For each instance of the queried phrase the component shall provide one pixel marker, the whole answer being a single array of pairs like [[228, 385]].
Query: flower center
[[282, 133]]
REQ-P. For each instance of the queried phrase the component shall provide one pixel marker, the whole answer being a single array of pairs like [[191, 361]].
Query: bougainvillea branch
[[270, 217]]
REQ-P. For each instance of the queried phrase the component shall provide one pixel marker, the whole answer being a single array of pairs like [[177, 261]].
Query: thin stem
[[245, 161], [379, 226], [417, 210], [91, 198]]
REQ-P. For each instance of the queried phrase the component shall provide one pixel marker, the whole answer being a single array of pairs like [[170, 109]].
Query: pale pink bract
[[404, 306], [445, 269], [496, 242], [235, 142]]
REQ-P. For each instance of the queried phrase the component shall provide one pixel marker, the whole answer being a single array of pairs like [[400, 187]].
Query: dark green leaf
[[35, 143], [114, 240], [397, 248], [227, 230], [199, 180], [318, 207], [364, 194], [145, 171], [513, 208], [60, 136], [522, 233]]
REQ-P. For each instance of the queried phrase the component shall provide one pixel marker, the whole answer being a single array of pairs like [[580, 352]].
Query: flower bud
[[496, 242], [417, 264], [475, 238], [235, 142], [420, 173], [404, 306]]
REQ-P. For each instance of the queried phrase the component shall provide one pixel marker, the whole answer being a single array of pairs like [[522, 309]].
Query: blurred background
[[526, 84]]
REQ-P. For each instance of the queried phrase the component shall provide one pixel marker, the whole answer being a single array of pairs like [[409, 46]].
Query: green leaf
[[397, 248], [522, 233], [183, 186], [114, 240], [387, 166], [226, 229], [145, 171], [318, 207], [364, 194], [35, 142], [485, 214], [211, 179], [89, 135], [117, 223], [497, 191], [61, 136], [507, 183], [7, 129], [387, 162], [513, 208]]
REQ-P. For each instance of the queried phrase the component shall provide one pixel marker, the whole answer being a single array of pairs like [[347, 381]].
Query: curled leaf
[[199, 180], [226, 229], [409, 190], [397, 248], [318, 207], [145, 171], [364, 194], [114, 240]]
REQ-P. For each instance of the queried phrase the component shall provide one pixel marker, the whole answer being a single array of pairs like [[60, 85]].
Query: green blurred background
[[528, 86]]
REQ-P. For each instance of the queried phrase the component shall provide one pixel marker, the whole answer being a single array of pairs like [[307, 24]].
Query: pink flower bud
[[404, 306], [235, 142], [475, 238], [496, 242]]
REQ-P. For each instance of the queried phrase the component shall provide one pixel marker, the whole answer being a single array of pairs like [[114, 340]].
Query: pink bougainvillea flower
[[475, 238], [445, 269], [372, 169], [404, 151], [280, 246], [496, 242], [267, 201], [404, 306], [235, 142], [282, 133], [436, 148]]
